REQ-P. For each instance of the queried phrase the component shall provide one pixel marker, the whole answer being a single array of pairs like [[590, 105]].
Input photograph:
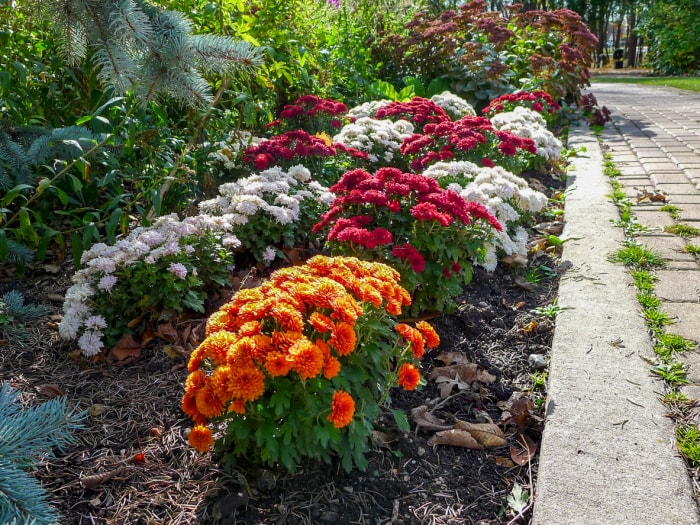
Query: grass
[[669, 344], [672, 210], [692, 248], [644, 280], [656, 319], [638, 256], [684, 230], [688, 437], [691, 84], [673, 373], [648, 300]]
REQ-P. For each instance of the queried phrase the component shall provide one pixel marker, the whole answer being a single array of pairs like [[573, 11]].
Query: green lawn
[[689, 83]]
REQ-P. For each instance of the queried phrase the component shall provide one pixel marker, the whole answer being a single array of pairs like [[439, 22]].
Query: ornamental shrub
[[429, 234], [152, 274], [300, 366]]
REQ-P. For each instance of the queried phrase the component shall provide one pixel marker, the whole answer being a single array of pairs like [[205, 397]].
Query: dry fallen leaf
[[167, 332], [515, 259], [468, 373], [487, 434], [455, 438], [502, 461], [381, 439], [550, 228], [523, 450], [125, 348], [97, 410], [94, 481], [50, 390], [424, 419], [524, 283]]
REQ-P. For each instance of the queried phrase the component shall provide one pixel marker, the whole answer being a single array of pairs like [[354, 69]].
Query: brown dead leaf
[[519, 305], [550, 228], [455, 438], [125, 348], [502, 461], [424, 419], [167, 332], [381, 439], [524, 283], [523, 450], [487, 434], [446, 385], [50, 390], [453, 358], [468, 373], [515, 259], [133, 322], [94, 481]]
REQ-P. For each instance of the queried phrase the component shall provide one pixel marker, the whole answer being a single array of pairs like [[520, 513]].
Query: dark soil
[[132, 464]]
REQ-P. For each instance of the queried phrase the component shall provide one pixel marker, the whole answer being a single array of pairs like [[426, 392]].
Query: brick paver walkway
[[656, 146]]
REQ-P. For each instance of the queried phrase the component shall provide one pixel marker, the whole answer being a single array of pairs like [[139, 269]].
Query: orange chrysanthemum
[[322, 323], [241, 353], [306, 358], [346, 308], [243, 297], [342, 409], [217, 345], [288, 317], [283, 341], [237, 406], [196, 358], [194, 382], [247, 382], [343, 338], [323, 293], [218, 321], [221, 383], [250, 328], [208, 403], [189, 407], [432, 339], [331, 368], [201, 438], [277, 364], [413, 336], [409, 376], [262, 347]]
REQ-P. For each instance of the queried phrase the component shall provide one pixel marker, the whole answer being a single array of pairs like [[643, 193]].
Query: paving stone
[[690, 212], [687, 188], [680, 200], [669, 178], [687, 316], [653, 219], [683, 265], [678, 286], [623, 157], [670, 246], [652, 167], [690, 391]]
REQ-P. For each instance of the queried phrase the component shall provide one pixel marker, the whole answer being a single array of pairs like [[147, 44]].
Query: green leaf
[[113, 224], [89, 232], [76, 248], [4, 246], [401, 420], [83, 120], [14, 192], [76, 183], [518, 498]]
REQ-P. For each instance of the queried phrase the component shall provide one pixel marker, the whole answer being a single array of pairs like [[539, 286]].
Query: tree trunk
[[631, 38]]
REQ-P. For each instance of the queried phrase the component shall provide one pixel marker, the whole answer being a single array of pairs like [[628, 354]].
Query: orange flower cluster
[[301, 321]]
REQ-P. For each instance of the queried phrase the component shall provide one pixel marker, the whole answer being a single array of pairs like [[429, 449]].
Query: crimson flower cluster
[[282, 149], [419, 111], [431, 235], [539, 101], [313, 114], [469, 138]]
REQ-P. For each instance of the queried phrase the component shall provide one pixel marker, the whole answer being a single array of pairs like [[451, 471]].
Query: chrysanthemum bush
[[380, 139], [150, 275], [506, 195], [312, 114], [326, 160], [300, 366], [226, 159], [456, 107], [529, 124], [271, 210], [473, 139], [431, 235], [539, 101]]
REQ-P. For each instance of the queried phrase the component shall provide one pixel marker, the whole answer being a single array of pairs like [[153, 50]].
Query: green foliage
[[688, 439], [638, 256], [486, 55], [670, 30], [26, 435], [684, 230]]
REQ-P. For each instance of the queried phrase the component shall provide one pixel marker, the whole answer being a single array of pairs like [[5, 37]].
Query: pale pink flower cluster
[[101, 265]]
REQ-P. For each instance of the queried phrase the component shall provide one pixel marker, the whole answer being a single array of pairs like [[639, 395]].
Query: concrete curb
[[608, 452]]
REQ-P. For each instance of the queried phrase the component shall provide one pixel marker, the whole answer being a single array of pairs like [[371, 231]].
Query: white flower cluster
[[144, 244], [368, 109], [380, 139], [506, 195], [273, 192], [230, 150], [456, 107], [527, 123]]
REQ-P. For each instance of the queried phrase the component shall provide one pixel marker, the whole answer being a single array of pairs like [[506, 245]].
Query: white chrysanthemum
[[527, 123], [456, 107], [490, 259], [300, 173], [69, 326], [106, 283], [90, 343], [269, 254], [375, 137], [368, 109]]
